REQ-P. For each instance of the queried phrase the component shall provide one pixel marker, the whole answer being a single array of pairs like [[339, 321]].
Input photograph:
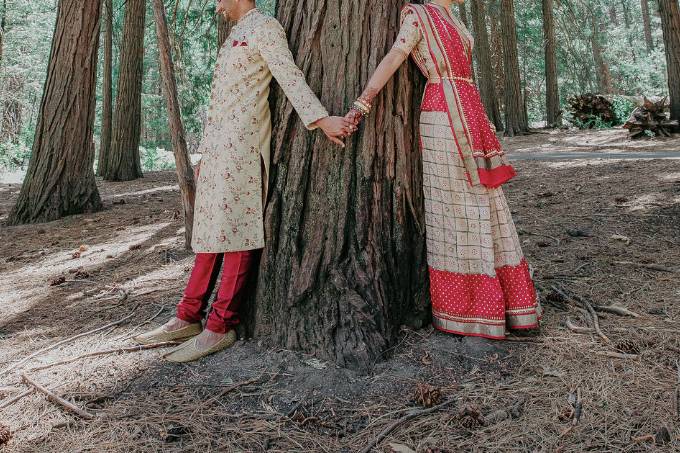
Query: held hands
[[336, 128]]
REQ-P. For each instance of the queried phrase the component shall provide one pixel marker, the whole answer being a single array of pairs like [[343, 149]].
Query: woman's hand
[[336, 127], [354, 116]]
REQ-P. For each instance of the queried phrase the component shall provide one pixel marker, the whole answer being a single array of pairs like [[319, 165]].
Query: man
[[232, 181]]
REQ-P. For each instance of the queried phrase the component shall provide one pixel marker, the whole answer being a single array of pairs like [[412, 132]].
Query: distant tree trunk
[[553, 113], [124, 161], [60, 179], [515, 115], [12, 118], [3, 22], [602, 73], [485, 73], [185, 174], [670, 24], [647, 24], [463, 14], [344, 264], [223, 28], [496, 47], [107, 87]]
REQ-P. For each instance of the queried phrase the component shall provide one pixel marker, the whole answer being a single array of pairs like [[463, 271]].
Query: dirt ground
[[603, 232]]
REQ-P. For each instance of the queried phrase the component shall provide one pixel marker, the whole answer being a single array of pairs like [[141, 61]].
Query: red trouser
[[224, 313]]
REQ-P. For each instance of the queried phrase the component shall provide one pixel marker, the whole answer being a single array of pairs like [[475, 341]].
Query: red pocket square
[[237, 43]]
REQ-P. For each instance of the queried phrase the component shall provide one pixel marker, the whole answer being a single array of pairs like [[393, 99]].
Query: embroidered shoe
[[189, 351], [161, 334]]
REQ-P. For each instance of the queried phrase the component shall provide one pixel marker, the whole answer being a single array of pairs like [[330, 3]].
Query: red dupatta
[[488, 167]]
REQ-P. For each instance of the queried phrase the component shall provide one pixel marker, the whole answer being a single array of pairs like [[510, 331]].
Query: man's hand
[[336, 127], [197, 170]]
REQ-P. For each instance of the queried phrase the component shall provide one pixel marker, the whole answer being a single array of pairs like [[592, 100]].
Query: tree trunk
[[496, 47], [3, 21], [647, 24], [670, 24], [515, 115], [107, 87], [552, 101], [602, 74], [12, 118], [60, 178], [185, 174], [223, 28], [344, 265], [463, 14], [485, 78], [124, 161]]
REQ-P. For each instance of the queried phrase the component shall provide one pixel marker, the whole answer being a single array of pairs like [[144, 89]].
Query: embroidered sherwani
[[231, 186], [479, 280]]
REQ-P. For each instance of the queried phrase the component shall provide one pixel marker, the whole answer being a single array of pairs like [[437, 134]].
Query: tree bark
[[463, 14], [602, 74], [107, 87], [60, 178], [124, 161], [552, 96], [670, 24], [3, 21], [185, 174], [344, 264], [515, 114], [485, 77], [12, 118], [647, 24], [496, 47], [223, 28]]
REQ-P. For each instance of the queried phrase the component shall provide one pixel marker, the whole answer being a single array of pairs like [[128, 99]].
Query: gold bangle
[[364, 104], [362, 108]]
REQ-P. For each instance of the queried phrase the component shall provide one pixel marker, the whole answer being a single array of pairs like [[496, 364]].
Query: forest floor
[[605, 231]]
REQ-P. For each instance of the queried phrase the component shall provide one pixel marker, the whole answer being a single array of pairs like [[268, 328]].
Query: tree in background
[[107, 89], [485, 71], [179, 145], [124, 161], [670, 22], [341, 223], [516, 121], [552, 97], [60, 179], [647, 24]]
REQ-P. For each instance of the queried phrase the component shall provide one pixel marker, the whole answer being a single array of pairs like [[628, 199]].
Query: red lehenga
[[480, 281]]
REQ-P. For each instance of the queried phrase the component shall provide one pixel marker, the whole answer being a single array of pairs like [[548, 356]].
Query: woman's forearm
[[383, 73]]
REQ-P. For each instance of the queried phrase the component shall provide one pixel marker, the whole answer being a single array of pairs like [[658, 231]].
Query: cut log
[[589, 109], [650, 120]]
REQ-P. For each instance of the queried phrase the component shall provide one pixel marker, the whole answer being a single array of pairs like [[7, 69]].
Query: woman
[[479, 280]]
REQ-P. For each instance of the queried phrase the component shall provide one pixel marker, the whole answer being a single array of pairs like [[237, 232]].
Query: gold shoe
[[160, 334], [188, 351]]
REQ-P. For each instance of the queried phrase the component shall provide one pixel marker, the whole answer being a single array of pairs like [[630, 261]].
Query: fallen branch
[[105, 352], [578, 329], [587, 306], [411, 415], [653, 267], [578, 408], [618, 355], [16, 398], [56, 399], [616, 310], [67, 340]]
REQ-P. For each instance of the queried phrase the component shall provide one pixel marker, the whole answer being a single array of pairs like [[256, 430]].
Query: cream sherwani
[[228, 213]]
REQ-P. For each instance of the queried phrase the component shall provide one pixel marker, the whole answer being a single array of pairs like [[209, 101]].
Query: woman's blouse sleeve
[[409, 33]]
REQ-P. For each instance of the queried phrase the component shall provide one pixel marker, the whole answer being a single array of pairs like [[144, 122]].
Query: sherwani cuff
[[309, 118]]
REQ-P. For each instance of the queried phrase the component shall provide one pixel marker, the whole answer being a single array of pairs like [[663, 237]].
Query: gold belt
[[439, 79]]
